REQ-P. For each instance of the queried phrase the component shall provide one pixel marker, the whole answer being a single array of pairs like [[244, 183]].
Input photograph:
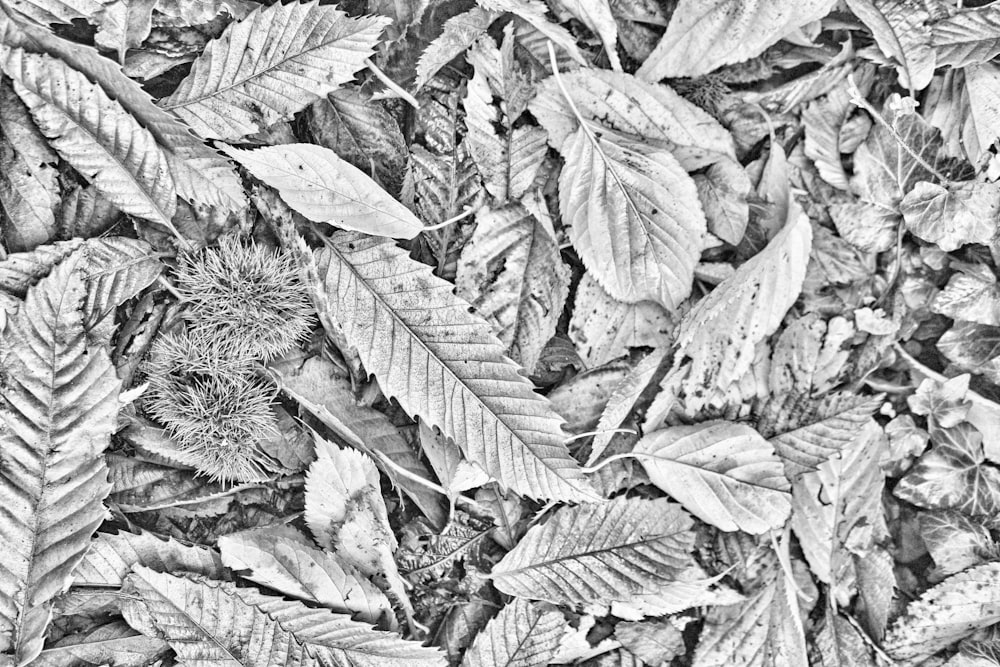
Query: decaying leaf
[[950, 611]]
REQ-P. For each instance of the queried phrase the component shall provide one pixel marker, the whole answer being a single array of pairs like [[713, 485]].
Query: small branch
[[426, 483], [973, 397], [450, 221], [392, 85], [170, 288], [858, 100]]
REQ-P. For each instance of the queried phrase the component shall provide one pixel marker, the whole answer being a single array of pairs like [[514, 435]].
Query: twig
[[972, 396], [868, 640], [403, 472], [170, 288], [450, 221], [586, 434], [858, 100], [392, 85]]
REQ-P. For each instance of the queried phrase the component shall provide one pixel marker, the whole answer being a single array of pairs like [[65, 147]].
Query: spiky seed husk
[[249, 297], [214, 407]]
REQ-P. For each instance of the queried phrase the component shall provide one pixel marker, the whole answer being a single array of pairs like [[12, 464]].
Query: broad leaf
[[110, 559], [720, 334], [329, 396], [213, 622], [63, 11], [521, 635], [346, 513], [836, 509], [361, 131], [955, 541], [113, 643], [946, 613], [317, 183], [646, 111], [954, 474], [285, 561], [901, 32], [28, 186], [508, 162], [124, 25], [705, 34], [303, 51], [596, 15], [839, 644], [623, 400], [99, 138], [604, 328], [724, 473], [404, 323], [824, 428], [968, 37], [56, 417], [512, 273], [200, 174], [634, 217], [599, 554], [723, 190], [972, 294], [765, 632], [952, 216], [459, 33]]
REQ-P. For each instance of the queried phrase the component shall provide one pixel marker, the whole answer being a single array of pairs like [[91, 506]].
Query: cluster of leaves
[[603, 332]]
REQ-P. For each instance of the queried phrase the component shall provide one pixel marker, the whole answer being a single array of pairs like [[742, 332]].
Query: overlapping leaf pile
[[599, 332]]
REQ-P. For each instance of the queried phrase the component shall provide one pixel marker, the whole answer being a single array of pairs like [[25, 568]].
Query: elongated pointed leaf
[[314, 181], [634, 217], [526, 296], [724, 473], [270, 65], [520, 636], [705, 34], [95, 135], [444, 365], [950, 611], [56, 416], [210, 622], [600, 553]]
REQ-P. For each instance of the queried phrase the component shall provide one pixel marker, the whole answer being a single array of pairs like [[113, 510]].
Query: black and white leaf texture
[[215, 623], [271, 65], [512, 273], [766, 631], [96, 135], [634, 217], [444, 365], [946, 613], [724, 473], [521, 635], [58, 412], [599, 553], [720, 334], [703, 35], [28, 185], [968, 37]]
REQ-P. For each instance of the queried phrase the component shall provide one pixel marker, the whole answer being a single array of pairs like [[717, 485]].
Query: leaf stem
[[857, 99], [403, 472], [392, 85], [452, 220]]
